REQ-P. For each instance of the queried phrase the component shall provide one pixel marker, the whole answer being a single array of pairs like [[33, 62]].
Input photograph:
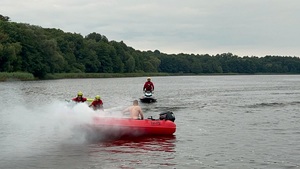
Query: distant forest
[[42, 51]]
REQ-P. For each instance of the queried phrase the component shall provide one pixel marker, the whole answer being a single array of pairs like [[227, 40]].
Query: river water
[[231, 122]]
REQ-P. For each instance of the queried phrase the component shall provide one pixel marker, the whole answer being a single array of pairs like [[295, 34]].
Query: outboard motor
[[167, 116]]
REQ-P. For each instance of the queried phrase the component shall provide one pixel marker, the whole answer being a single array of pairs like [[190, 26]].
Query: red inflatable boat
[[110, 127]]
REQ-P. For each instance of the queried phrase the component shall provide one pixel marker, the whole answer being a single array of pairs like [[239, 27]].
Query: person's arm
[[91, 104], [142, 115]]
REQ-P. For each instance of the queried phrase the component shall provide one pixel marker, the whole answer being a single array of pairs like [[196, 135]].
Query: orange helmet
[[79, 93], [98, 97]]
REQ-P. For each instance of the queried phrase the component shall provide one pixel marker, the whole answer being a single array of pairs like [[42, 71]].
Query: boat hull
[[147, 100], [123, 127]]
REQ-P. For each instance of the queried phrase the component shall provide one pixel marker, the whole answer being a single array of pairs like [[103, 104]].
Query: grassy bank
[[5, 76]]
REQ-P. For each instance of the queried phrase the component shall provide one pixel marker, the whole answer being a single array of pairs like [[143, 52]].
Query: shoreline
[[23, 76]]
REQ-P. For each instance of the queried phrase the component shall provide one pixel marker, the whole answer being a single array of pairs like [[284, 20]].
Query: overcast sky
[[241, 27]]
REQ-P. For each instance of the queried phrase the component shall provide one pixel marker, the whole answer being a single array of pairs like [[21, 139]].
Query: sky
[[241, 27]]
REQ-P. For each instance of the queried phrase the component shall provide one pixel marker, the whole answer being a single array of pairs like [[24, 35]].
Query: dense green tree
[[129, 64], [117, 64], [104, 57], [4, 18], [37, 50], [10, 60]]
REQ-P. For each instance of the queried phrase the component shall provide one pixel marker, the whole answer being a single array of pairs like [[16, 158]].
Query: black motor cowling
[[167, 116]]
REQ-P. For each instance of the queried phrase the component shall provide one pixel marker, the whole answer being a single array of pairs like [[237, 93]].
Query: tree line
[[42, 51]]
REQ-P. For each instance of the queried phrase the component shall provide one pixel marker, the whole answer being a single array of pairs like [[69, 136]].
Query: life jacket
[[148, 86], [76, 99]]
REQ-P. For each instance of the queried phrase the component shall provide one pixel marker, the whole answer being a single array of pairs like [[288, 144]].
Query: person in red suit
[[148, 86], [97, 103], [79, 98]]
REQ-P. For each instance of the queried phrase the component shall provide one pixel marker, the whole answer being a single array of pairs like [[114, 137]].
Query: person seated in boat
[[79, 98], [97, 104], [148, 86], [135, 111]]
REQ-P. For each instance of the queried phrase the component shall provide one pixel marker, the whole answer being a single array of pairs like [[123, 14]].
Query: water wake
[[273, 104], [42, 128]]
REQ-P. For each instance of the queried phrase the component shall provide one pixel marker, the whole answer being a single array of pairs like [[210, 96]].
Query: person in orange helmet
[[97, 103], [79, 98]]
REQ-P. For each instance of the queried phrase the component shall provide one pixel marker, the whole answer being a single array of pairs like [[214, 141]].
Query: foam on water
[[38, 128]]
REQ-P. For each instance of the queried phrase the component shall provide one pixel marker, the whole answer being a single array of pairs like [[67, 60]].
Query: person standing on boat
[[135, 111], [79, 98], [148, 86], [97, 103]]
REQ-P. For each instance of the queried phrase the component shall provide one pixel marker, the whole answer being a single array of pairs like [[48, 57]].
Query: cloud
[[248, 27]]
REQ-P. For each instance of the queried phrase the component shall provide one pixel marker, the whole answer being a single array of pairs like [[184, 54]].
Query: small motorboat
[[148, 97], [114, 127]]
